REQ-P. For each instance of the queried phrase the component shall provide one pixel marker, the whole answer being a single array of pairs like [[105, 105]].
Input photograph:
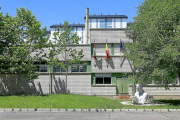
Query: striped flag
[[107, 53], [94, 49]]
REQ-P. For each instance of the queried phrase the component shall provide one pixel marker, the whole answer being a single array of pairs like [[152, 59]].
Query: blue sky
[[51, 12]]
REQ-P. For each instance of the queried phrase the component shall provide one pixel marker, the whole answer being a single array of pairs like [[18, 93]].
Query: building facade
[[95, 21], [95, 76]]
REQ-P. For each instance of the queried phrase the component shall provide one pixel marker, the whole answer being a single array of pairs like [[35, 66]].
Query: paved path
[[89, 115]]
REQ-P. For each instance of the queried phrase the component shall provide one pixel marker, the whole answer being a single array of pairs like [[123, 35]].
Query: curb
[[84, 110]]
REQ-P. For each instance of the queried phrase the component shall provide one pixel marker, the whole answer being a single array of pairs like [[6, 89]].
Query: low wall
[[160, 92]]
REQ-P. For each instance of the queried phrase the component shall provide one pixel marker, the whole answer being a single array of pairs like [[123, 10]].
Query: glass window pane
[[99, 80], [75, 68], [102, 24], [56, 69], [63, 70], [83, 68], [107, 80], [43, 68]]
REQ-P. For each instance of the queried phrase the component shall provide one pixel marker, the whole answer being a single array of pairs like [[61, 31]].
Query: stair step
[[123, 97]]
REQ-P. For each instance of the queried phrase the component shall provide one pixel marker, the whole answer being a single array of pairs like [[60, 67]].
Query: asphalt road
[[89, 116]]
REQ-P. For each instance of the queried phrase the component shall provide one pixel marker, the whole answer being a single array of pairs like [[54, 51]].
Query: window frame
[[78, 66], [103, 76]]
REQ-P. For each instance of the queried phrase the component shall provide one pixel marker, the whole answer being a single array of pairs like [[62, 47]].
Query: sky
[[51, 12]]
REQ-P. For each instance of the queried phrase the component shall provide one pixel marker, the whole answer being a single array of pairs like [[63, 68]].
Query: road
[[89, 116]]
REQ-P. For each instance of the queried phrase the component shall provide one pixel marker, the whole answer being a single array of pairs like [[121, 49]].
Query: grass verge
[[75, 102]]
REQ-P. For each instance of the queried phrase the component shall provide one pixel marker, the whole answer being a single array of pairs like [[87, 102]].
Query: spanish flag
[[107, 53]]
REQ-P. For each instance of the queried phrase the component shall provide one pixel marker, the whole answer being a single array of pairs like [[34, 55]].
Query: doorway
[[122, 86]]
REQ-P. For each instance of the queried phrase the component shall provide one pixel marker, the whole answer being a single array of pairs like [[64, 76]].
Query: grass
[[74, 101]]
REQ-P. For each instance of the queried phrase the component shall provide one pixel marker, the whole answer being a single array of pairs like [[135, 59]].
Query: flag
[[122, 47], [94, 51], [107, 53]]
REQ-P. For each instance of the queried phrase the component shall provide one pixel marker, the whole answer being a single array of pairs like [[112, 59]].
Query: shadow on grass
[[24, 95], [171, 102]]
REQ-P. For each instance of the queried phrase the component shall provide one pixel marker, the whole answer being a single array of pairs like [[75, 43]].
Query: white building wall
[[118, 23], [124, 23], [112, 22], [93, 22]]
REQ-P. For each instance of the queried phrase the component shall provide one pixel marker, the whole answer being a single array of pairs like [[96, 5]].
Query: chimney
[[94, 14], [73, 23], [78, 23], [87, 25], [101, 14], [116, 14], [60, 23], [108, 14]]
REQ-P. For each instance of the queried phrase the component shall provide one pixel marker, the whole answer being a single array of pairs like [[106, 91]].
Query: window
[[58, 69], [114, 23], [82, 39], [103, 78], [109, 23], [121, 23], [41, 68], [96, 23], [90, 24], [102, 23], [79, 67]]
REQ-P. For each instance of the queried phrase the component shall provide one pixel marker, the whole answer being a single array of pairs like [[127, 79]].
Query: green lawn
[[73, 101]]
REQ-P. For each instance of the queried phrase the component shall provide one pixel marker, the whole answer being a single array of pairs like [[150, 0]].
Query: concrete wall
[[113, 65], [76, 83], [112, 35], [86, 52], [160, 92], [103, 90], [9, 85], [79, 83]]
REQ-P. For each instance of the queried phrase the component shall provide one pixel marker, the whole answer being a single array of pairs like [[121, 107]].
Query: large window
[[41, 68], [103, 78], [79, 67], [114, 22], [109, 23], [90, 24], [58, 69], [102, 23]]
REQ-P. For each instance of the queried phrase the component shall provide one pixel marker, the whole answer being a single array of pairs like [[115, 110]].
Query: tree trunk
[[178, 81], [66, 71], [19, 78], [66, 82]]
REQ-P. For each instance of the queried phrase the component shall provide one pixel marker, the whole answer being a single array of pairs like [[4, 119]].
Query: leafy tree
[[21, 37], [65, 47], [156, 44]]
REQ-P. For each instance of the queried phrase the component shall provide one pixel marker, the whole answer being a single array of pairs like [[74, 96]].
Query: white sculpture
[[140, 95]]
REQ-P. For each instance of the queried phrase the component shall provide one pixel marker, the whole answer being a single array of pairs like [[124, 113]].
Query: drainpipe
[[87, 24]]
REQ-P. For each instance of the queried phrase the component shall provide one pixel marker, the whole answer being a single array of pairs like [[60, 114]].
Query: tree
[[21, 37], [156, 41], [65, 46]]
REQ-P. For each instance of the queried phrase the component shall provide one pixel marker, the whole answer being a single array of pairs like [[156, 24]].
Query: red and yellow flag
[[107, 53]]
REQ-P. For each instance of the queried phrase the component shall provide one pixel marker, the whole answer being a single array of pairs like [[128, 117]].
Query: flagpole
[[130, 66], [120, 49]]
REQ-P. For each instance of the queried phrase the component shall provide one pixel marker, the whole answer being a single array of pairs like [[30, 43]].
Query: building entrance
[[122, 86]]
